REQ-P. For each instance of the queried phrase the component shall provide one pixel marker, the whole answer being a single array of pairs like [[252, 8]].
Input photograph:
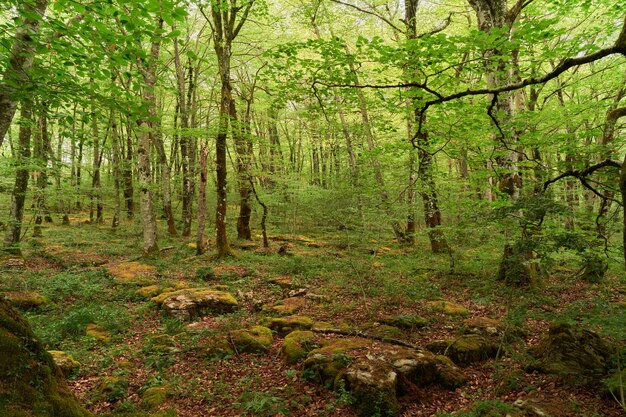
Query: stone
[[31, 384], [287, 324], [288, 306], [375, 372], [384, 331], [318, 298], [99, 333], [483, 326], [153, 397], [282, 282], [113, 388], [466, 349], [219, 348], [132, 273], [573, 353], [25, 299], [372, 384], [405, 321], [66, 363], [257, 339], [297, 345], [447, 307], [190, 303]]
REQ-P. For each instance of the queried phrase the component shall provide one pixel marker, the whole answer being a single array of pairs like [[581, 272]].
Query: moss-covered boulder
[[219, 348], [99, 333], [25, 299], [154, 397], [405, 321], [383, 331], [288, 306], [483, 326], [285, 325], [132, 273], [257, 339], [466, 349], [31, 384], [113, 388], [372, 384], [374, 372], [297, 345], [149, 291], [283, 282], [573, 353], [447, 307], [190, 303], [66, 363]]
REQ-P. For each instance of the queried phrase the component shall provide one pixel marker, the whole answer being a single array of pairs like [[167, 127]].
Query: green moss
[[25, 299], [466, 349], [153, 397], [285, 325], [257, 339], [30, 383], [447, 307], [297, 345], [113, 388]]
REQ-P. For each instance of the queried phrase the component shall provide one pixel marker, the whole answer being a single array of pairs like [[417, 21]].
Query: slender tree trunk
[[200, 246], [116, 153], [127, 173], [146, 127], [21, 60], [243, 146], [18, 197], [41, 155], [165, 172]]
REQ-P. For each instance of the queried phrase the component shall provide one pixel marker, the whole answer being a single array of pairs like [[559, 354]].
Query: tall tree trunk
[[117, 172], [96, 198], [146, 127], [157, 139], [41, 154], [127, 173], [18, 197], [243, 146], [430, 200], [200, 246], [21, 60]]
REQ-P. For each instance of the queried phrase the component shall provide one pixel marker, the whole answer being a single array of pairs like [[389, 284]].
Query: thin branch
[[370, 12]]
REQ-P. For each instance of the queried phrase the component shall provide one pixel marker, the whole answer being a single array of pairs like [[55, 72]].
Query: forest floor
[[351, 284]]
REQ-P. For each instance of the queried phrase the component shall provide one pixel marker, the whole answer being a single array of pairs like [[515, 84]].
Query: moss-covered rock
[[25, 299], [483, 326], [66, 363], [283, 282], [153, 397], [572, 352], [374, 372], [288, 306], [132, 273], [219, 348], [99, 333], [383, 331], [372, 384], [189, 303], [113, 388], [257, 339], [447, 307], [297, 345], [31, 385], [466, 349], [405, 321], [285, 325]]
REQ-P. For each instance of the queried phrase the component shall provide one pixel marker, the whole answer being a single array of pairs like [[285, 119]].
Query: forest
[[312, 208]]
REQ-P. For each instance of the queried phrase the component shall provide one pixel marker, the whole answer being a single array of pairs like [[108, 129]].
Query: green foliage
[[262, 404], [488, 408]]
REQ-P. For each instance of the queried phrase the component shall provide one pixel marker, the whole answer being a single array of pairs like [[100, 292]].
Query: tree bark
[[200, 246], [18, 197], [21, 60]]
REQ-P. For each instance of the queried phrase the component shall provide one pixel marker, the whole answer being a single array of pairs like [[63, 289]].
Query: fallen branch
[[365, 335]]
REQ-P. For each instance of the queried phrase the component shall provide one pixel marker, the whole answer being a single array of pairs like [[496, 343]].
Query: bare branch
[[370, 12]]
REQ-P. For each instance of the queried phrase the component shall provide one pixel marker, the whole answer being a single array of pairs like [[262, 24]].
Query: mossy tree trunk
[[18, 197]]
